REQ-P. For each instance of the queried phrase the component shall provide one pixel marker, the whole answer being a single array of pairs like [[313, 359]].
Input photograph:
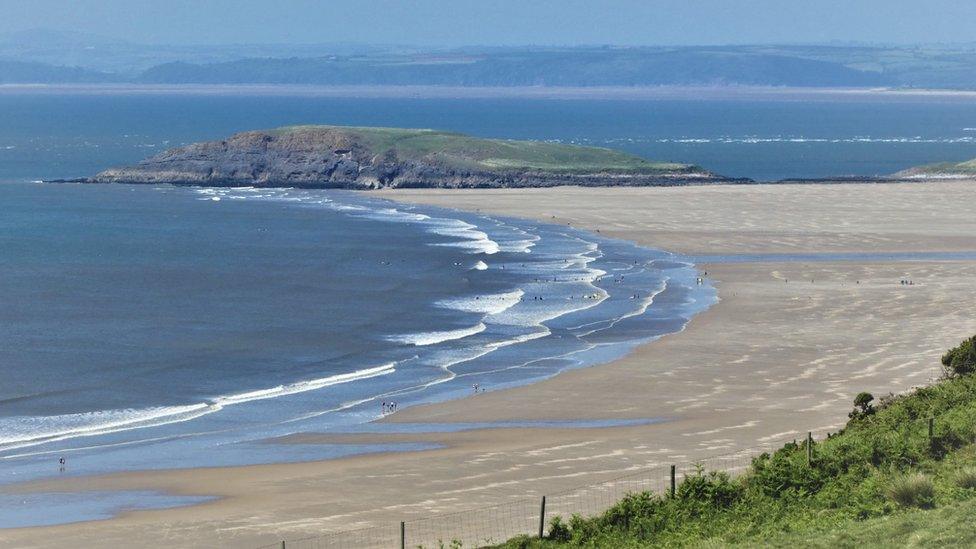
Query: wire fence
[[486, 526]]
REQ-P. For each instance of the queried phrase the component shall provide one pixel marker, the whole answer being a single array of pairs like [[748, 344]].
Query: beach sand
[[783, 353]]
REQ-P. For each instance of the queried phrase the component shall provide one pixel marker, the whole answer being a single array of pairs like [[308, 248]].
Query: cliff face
[[360, 158]]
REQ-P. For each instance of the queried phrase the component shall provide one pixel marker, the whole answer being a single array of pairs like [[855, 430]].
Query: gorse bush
[[960, 360], [912, 490]]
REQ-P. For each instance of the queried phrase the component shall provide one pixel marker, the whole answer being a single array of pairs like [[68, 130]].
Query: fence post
[[282, 544], [542, 518], [809, 448], [931, 428], [672, 481], [403, 535]]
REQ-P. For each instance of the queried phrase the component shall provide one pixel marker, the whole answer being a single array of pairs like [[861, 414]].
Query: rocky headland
[[373, 158]]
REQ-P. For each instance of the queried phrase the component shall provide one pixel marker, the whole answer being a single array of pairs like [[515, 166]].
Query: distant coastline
[[665, 92]]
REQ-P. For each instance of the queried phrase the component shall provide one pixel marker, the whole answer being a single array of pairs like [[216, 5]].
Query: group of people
[[389, 407], [907, 282]]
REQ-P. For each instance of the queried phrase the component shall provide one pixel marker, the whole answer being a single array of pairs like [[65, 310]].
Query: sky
[[451, 23]]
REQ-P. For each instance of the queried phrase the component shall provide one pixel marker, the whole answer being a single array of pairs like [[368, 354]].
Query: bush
[[913, 490], [960, 360], [584, 530], [713, 488], [862, 406], [558, 530], [966, 477], [520, 542]]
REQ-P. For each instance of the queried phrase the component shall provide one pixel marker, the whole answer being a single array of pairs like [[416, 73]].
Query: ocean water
[[50, 135], [154, 327]]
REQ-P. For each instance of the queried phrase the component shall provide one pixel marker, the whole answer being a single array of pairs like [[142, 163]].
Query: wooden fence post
[[931, 428], [672, 481], [282, 544], [809, 448], [542, 518], [403, 535]]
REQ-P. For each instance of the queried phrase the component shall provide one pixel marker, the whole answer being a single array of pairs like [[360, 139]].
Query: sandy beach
[[784, 352]]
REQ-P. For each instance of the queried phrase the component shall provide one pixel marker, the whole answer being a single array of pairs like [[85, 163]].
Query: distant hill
[[19, 72], [126, 60], [369, 158], [923, 66], [573, 67]]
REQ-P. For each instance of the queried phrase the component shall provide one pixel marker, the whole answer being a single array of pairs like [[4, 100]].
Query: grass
[[880, 481], [912, 490], [948, 168], [947, 526], [966, 478], [459, 150]]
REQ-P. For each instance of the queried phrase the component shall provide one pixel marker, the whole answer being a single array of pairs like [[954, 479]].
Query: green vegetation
[[912, 490], [966, 168], [883, 480], [459, 150], [961, 360], [949, 525]]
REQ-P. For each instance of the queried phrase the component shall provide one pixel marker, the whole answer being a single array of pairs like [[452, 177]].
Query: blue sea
[[46, 135], [148, 327], [157, 327]]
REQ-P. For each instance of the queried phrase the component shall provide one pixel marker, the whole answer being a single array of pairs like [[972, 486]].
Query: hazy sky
[[501, 22]]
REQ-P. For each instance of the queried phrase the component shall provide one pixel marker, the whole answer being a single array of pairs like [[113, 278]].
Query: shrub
[[712, 488], [558, 530], [583, 530], [960, 360], [520, 542], [966, 477], [785, 474], [912, 490], [862, 405]]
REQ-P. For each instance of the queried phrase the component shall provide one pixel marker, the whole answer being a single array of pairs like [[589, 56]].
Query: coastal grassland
[[963, 168], [960, 170], [882, 479], [463, 151]]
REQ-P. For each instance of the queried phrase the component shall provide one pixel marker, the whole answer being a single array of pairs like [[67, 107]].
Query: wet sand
[[784, 352]]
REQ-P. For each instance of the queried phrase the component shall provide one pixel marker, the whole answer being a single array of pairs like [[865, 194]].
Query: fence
[[529, 516]]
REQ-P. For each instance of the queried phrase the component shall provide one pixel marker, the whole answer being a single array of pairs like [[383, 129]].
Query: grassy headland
[[463, 151], [884, 479]]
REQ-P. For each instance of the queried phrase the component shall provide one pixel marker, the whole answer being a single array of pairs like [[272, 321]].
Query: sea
[[158, 327]]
